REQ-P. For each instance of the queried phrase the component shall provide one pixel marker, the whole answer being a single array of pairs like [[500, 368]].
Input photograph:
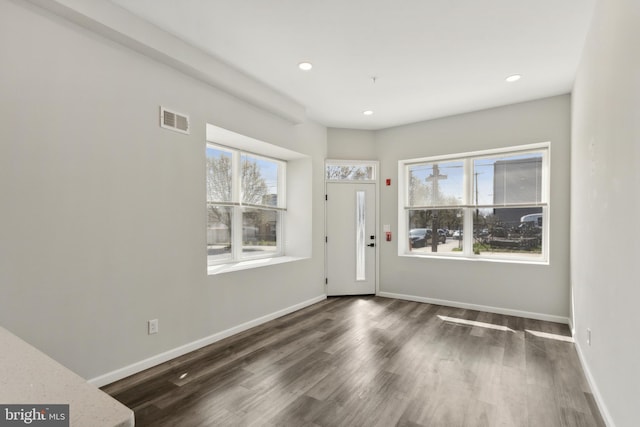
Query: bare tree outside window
[[349, 172], [254, 188], [419, 191], [219, 175]]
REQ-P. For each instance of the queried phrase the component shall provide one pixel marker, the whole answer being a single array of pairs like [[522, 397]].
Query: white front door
[[351, 238]]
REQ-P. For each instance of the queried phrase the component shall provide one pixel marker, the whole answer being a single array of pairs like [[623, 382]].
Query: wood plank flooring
[[371, 361]]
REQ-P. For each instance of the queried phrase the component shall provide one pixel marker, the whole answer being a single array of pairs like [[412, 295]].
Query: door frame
[[375, 165]]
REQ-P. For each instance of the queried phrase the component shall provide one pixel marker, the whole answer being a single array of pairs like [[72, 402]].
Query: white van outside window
[[536, 219]]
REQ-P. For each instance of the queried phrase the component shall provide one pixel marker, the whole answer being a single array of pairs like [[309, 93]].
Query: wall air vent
[[174, 121]]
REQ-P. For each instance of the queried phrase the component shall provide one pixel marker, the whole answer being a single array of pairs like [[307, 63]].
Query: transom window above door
[[350, 170]]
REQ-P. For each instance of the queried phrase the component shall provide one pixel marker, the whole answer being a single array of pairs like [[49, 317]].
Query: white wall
[[532, 290], [351, 144], [103, 214], [605, 178]]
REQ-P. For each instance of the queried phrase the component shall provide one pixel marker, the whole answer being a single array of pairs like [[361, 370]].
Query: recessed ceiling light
[[513, 78], [305, 66], [367, 113]]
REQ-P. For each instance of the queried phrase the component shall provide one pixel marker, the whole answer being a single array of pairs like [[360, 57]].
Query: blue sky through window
[[268, 172], [451, 183], [268, 168]]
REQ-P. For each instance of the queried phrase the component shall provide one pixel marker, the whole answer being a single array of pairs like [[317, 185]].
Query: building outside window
[[245, 205], [491, 204]]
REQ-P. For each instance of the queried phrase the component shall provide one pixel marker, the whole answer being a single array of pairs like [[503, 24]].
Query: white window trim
[[237, 259], [467, 205]]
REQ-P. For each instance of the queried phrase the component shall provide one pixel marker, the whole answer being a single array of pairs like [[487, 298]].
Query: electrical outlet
[[588, 337], [152, 326]]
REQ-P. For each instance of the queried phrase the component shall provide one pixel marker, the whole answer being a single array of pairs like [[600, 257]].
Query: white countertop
[[28, 376]]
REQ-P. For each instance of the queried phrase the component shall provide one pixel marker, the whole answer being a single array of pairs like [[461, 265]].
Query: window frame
[[469, 205], [238, 207]]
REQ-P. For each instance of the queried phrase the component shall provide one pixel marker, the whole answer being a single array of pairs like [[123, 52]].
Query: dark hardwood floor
[[370, 361]]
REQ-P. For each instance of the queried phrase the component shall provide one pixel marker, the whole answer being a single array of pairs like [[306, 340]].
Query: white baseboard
[[489, 309], [594, 388], [126, 371]]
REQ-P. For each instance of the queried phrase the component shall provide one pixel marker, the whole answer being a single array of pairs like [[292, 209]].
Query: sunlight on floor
[[538, 334], [475, 323], [549, 336]]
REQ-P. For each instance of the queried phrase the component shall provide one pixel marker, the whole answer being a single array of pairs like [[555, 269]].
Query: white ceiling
[[431, 58]]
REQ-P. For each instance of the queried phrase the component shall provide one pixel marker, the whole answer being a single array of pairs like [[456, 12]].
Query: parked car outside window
[[421, 237]]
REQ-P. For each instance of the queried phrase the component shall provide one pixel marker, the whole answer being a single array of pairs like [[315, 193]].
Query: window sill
[[489, 258], [249, 264]]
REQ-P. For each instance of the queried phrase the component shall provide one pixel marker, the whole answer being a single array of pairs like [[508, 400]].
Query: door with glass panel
[[351, 238]]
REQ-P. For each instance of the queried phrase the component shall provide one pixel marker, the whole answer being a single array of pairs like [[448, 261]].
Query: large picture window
[[245, 205], [491, 204]]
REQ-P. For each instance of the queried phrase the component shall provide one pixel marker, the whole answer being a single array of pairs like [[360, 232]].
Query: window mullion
[[468, 183], [468, 200], [236, 183], [237, 232], [236, 179], [467, 236]]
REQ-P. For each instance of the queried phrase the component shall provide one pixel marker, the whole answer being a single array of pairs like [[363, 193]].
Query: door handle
[[371, 245]]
